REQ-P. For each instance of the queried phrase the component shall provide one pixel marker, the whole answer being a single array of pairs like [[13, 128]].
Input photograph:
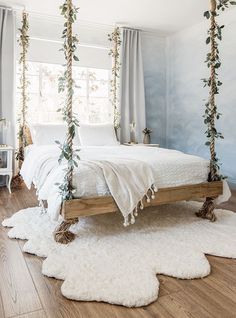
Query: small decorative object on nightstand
[[147, 136], [141, 145], [6, 155]]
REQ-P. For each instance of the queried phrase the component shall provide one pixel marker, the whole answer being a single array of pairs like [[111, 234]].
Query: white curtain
[[7, 71], [132, 95]]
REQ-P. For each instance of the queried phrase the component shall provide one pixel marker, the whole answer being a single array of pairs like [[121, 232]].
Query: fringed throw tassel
[[126, 221], [132, 219], [148, 198], [153, 194], [140, 206], [136, 211]]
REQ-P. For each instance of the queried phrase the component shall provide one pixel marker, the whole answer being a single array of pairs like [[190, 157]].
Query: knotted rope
[[115, 53], [23, 129], [69, 54], [62, 234], [213, 171]]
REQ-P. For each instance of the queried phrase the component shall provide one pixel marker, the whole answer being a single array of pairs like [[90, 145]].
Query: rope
[[24, 71], [213, 171], [115, 79], [115, 53], [62, 234], [22, 128], [69, 54]]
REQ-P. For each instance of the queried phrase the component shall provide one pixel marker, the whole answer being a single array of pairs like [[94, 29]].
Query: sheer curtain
[[7, 71], [132, 95]]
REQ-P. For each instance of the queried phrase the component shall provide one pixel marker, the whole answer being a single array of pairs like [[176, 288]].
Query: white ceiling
[[165, 16]]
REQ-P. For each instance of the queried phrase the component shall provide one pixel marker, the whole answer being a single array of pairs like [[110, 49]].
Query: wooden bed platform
[[72, 210], [105, 204]]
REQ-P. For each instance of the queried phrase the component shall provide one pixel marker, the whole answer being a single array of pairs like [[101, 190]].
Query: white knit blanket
[[129, 182]]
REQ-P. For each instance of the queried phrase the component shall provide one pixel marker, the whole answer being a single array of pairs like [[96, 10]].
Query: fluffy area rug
[[118, 265]]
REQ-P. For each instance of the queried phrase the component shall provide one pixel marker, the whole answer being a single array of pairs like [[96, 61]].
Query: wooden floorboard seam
[[32, 281]]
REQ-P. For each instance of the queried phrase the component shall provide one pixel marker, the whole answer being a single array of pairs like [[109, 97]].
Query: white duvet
[[169, 167]]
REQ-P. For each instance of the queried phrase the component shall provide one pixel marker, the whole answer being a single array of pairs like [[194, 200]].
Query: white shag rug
[[118, 265]]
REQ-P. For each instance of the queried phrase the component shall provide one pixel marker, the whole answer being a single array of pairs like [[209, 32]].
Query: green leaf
[[208, 40], [76, 58], [207, 14]]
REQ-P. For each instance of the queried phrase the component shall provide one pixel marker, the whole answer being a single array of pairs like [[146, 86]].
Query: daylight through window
[[91, 98]]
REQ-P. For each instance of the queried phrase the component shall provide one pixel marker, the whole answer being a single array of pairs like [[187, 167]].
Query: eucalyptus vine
[[66, 84], [115, 38], [213, 82], [24, 83]]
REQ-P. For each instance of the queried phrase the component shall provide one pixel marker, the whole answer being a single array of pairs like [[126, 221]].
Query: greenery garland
[[66, 84], [214, 63], [24, 83], [115, 38]]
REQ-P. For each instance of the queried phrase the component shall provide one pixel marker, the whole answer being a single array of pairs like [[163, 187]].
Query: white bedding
[[170, 168]]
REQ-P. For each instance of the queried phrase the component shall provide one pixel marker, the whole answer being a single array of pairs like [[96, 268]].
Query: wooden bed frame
[[73, 209]]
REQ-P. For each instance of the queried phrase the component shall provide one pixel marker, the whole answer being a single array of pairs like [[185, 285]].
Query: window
[[91, 98]]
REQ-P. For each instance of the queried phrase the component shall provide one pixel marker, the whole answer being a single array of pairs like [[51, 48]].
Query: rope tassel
[[141, 205], [148, 198], [132, 221], [153, 194], [136, 211]]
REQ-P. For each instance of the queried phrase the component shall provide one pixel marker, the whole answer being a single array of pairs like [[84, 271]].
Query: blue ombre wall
[[173, 68], [154, 62]]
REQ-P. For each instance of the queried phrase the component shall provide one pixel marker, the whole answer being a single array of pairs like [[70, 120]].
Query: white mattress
[[171, 168]]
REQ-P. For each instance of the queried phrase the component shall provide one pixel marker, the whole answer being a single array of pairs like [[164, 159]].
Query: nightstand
[[141, 145], [6, 169]]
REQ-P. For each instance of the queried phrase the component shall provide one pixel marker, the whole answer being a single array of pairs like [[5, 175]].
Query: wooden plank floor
[[26, 293]]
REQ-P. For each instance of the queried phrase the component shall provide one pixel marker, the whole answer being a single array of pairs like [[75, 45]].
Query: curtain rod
[[12, 8], [121, 26], [79, 44], [6, 8]]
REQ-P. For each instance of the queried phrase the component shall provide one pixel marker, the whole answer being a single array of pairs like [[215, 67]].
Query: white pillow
[[47, 134], [97, 135]]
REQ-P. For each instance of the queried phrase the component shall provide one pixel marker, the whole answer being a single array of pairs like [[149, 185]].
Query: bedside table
[[143, 145], [6, 155]]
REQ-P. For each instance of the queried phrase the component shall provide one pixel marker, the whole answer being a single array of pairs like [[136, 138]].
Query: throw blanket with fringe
[[129, 182]]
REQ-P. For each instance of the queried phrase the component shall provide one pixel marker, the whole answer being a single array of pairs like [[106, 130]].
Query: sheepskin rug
[[118, 265]]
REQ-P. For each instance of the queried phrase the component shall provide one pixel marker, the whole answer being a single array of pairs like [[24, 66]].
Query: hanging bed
[[209, 185], [177, 177]]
